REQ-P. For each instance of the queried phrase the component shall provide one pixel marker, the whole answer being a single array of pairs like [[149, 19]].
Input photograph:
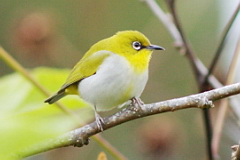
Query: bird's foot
[[99, 121], [137, 102]]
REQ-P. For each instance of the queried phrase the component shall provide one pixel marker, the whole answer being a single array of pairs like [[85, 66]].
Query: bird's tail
[[55, 97]]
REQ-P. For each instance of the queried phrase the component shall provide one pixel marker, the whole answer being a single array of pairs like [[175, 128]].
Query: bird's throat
[[139, 62]]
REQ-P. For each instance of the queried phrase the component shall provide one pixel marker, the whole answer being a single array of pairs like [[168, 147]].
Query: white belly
[[114, 83]]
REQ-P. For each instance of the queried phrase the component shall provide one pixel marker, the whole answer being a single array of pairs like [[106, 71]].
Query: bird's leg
[[99, 120], [137, 102]]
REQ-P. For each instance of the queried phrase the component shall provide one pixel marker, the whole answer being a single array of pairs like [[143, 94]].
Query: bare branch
[[166, 19], [222, 43], [79, 137], [199, 69]]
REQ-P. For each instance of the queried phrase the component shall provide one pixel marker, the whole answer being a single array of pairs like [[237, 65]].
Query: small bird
[[112, 72]]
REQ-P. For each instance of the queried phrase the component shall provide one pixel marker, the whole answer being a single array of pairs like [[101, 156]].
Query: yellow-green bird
[[112, 72]]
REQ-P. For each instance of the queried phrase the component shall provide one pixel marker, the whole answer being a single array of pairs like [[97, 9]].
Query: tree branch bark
[[79, 137]]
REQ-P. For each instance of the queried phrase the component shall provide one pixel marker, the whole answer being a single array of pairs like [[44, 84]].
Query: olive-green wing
[[86, 67]]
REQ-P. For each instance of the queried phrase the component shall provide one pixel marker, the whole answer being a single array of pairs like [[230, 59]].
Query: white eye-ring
[[137, 45]]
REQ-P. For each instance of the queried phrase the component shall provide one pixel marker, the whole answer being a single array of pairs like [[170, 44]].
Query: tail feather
[[55, 97]]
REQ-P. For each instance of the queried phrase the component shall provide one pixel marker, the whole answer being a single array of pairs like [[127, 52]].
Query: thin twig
[[224, 103], [79, 137], [189, 51], [173, 30], [17, 67], [167, 21], [222, 43]]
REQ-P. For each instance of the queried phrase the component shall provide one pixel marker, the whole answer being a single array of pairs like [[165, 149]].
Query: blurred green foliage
[[25, 120]]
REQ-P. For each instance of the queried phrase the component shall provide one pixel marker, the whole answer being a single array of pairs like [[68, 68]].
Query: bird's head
[[135, 47], [132, 45], [128, 43]]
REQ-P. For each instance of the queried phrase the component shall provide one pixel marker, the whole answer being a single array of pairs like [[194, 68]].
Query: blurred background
[[56, 33]]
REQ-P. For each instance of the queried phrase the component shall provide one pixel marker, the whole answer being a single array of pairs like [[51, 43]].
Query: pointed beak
[[154, 47]]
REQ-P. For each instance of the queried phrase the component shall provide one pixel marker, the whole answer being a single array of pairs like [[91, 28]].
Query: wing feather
[[86, 67]]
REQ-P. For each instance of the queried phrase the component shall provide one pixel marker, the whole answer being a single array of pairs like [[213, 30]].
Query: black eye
[[137, 45]]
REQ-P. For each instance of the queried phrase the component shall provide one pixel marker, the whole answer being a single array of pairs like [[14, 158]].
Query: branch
[[181, 44], [79, 137], [190, 54], [222, 43], [167, 21]]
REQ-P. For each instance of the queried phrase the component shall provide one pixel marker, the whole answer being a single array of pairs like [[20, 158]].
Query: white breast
[[114, 83]]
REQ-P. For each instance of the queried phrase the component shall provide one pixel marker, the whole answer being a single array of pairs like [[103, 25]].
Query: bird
[[111, 73]]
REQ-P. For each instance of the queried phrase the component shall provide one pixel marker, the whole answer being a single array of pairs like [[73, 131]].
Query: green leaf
[[26, 120]]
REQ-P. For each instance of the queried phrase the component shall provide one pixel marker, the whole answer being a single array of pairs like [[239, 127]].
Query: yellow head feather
[[121, 43]]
